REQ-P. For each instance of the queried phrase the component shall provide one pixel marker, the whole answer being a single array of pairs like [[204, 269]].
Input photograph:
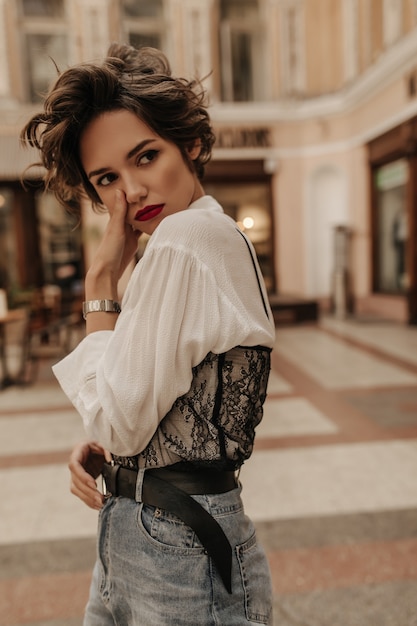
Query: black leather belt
[[170, 489]]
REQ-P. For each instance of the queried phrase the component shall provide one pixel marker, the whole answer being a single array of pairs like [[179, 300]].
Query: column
[[293, 46], [5, 87], [392, 26], [350, 43], [198, 57]]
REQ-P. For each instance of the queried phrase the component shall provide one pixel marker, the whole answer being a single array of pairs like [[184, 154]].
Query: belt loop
[[139, 485]]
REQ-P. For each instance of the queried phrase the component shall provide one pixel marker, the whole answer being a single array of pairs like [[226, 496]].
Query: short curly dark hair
[[138, 80]]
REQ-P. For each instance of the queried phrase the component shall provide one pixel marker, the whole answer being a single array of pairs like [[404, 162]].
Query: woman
[[172, 382]]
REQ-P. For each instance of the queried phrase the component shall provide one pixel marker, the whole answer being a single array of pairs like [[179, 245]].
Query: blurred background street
[[331, 485]]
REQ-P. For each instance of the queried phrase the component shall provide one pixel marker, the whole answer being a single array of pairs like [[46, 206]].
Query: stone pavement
[[332, 485]]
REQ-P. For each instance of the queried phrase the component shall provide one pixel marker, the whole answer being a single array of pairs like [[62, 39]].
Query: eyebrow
[[130, 154]]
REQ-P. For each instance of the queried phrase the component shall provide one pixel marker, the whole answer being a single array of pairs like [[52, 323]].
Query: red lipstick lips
[[149, 212]]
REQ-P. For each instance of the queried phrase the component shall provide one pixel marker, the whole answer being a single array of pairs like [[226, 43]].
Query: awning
[[15, 158]]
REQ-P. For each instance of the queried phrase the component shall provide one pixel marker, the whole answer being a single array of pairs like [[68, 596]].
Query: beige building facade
[[314, 103]]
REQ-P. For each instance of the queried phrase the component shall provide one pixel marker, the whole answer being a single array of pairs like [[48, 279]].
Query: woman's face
[[119, 151]]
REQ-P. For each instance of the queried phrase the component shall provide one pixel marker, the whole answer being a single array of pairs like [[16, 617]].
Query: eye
[[147, 157], [106, 180]]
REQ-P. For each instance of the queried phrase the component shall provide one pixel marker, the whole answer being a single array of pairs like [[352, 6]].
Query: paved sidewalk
[[332, 485]]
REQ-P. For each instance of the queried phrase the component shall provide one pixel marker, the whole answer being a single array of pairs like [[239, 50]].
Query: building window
[[43, 8], [45, 44], [241, 67], [391, 232], [143, 23], [60, 243]]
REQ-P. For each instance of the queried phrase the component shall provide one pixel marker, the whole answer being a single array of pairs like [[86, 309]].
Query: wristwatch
[[98, 306]]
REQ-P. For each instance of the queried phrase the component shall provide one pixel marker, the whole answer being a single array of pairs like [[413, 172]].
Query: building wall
[[336, 74], [323, 46], [335, 143]]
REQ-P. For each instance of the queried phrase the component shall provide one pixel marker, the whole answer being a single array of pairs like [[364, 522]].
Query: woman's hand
[[85, 464], [115, 252]]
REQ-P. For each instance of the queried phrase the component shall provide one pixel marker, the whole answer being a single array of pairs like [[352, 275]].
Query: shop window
[[241, 66], [143, 23], [45, 44], [60, 245], [391, 227]]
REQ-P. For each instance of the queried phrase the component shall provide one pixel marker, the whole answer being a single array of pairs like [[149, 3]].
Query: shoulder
[[194, 228]]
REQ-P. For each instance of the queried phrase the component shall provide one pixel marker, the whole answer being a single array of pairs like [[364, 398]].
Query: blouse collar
[[207, 203]]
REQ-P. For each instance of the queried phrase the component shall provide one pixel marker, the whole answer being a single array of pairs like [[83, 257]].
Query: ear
[[194, 150]]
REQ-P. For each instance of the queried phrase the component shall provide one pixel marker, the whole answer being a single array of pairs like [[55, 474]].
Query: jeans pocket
[[167, 531], [256, 581]]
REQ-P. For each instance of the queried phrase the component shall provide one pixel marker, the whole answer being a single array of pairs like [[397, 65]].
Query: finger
[[118, 214], [80, 476], [84, 487], [115, 232], [96, 448], [110, 252], [91, 497], [79, 459], [131, 245], [82, 482]]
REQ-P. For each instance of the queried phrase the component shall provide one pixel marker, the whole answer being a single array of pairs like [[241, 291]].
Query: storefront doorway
[[393, 168], [392, 271], [40, 244]]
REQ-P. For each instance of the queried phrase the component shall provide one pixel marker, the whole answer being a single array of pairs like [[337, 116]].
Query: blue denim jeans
[[152, 570]]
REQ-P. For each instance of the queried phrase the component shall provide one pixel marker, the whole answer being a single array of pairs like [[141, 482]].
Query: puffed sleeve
[[123, 382]]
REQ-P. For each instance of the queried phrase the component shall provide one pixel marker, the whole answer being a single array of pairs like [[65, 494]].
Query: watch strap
[[100, 306]]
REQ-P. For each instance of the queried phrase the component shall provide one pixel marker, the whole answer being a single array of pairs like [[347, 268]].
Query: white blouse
[[193, 292]]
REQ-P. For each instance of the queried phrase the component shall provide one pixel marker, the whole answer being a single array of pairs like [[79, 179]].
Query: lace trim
[[214, 423]]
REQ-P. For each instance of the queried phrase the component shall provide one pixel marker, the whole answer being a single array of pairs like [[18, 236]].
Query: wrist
[[100, 285]]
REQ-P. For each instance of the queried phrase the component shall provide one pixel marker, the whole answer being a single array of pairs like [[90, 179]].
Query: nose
[[134, 189]]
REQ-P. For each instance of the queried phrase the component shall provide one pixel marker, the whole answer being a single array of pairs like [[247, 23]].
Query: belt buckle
[[104, 490]]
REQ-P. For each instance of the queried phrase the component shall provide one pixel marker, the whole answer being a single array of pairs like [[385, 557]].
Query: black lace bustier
[[214, 423]]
